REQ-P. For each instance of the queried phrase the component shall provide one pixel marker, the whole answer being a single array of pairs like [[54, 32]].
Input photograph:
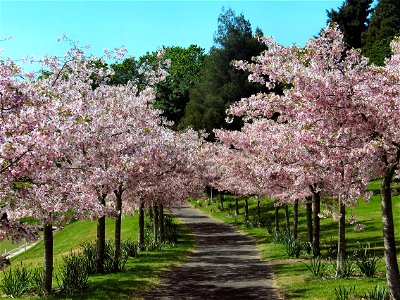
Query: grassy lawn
[[141, 273], [292, 275]]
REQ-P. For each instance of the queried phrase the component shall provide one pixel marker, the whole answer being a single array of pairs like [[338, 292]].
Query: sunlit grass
[[142, 272]]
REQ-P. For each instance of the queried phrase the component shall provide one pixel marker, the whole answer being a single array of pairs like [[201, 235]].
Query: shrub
[[293, 247], [73, 276], [171, 230], [129, 247], [281, 237], [341, 293], [316, 266], [366, 261], [16, 281], [36, 280], [90, 253], [377, 293]]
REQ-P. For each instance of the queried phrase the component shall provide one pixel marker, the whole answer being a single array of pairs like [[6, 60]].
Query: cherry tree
[[316, 131], [340, 114]]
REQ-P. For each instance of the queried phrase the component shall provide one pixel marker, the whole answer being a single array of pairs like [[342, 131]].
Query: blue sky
[[143, 26]]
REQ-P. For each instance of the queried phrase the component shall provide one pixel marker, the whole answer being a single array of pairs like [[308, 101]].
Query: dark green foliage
[[73, 276], [383, 27], [128, 70], [129, 247], [185, 64], [366, 260], [16, 281], [341, 293], [221, 83], [377, 293], [171, 230], [352, 18]]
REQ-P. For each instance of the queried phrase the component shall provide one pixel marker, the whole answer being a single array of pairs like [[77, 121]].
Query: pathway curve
[[224, 265]]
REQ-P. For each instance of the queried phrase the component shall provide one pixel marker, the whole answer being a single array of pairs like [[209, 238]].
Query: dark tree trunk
[[259, 210], [221, 199], [101, 239], [142, 246], [236, 206], [117, 233], [246, 208], [48, 258], [309, 224], [316, 210], [155, 221], [276, 218], [295, 218], [287, 218], [341, 240], [392, 268], [161, 221]]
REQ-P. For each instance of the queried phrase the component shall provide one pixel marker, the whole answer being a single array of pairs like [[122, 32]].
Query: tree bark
[[155, 221], [118, 221], [142, 246], [276, 218], [48, 258], [246, 208], [161, 221], [309, 224], [295, 218], [287, 218], [340, 262], [316, 210], [236, 206], [101, 238], [392, 268]]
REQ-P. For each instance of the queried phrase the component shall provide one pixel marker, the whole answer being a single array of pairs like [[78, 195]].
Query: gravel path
[[224, 265]]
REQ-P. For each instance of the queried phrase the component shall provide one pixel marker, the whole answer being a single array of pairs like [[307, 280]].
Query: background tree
[[221, 83], [383, 27], [352, 18], [184, 65]]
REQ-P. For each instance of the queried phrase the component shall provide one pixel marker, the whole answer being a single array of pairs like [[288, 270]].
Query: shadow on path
[[225, 265]]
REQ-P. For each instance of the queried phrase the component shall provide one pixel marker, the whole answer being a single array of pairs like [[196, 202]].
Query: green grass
[[293, 278], [141, 273]]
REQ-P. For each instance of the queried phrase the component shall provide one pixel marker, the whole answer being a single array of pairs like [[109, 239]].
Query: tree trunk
[[48, 258], [161, 221], [246, 208], [316, 210], [221, 199], [309, 224], [236, 206], [276, 218], [259, 211], [295, 218], [287, 218], [117, 233], [156, 227], [340, 262], [392, 268], [101, 238], [142, 246]]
